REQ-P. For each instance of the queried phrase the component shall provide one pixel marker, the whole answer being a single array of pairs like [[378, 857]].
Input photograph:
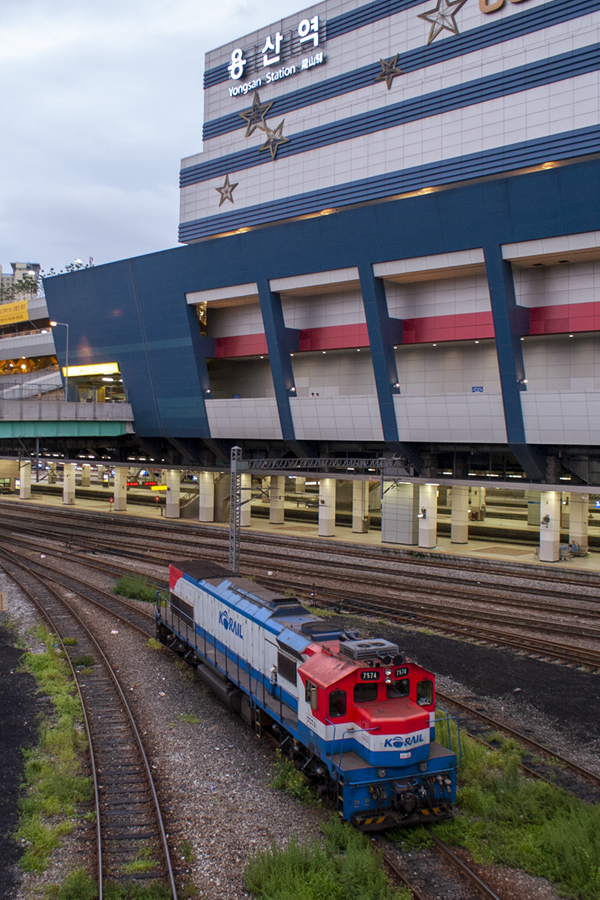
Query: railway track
[[130, 834]]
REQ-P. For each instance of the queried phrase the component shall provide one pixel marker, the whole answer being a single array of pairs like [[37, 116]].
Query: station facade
[[392, 248]]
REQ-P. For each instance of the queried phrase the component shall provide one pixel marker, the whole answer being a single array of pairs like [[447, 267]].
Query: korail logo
[[398, 742], [230, 625]]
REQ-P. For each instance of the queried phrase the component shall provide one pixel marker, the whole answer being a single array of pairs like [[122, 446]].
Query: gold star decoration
[[389, 70], [226, 191], [442, 17], [255, 116], [274, 139]]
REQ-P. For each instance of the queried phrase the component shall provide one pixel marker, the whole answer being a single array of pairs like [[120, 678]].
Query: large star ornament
[[389, 70], [255, 116], [226, 191], [442, 17], [274, 139]]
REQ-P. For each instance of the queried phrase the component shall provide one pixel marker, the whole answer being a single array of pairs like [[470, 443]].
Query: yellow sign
[[490, 6], [97, 369], [13, 312]]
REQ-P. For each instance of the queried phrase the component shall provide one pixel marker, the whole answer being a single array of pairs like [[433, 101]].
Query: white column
[[327, 507], [360, 507], [533, 508], [276, 500], [86, 476], [69, 484], [550, 526], [25, 479], [399, 507], [459, 515], [173, 480], [206, 497], [477, 501], [428, 515], [120, 489], [579, 506], [100, 471], [246, 510]]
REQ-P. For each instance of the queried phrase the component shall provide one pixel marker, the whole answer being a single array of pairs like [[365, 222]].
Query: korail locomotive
[[354, 715]]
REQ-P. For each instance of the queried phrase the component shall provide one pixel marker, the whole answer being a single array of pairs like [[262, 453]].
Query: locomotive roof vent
[[369, 648]]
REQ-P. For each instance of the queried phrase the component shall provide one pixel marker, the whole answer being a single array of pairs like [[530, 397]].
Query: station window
[[365, 693], [337, 704], [311, 694], [398, 689], [425, 692]]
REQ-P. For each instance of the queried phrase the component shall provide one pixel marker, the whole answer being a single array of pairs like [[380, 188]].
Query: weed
[[144, 863], [70, 642], [187, 671], [414, 839], [189, 719], [508, 819], [53, 781], [136, 587], [322, 611], [114, 890], [84, 659], [154, 644], [341, 867], [76, 886], [429, 631], [286, 777], [187, 852]]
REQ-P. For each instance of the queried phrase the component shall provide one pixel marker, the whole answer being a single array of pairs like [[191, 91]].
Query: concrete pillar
[[360, 507], [86, 472], [246, 510], [69, 484], [163, 479], [206, 497], [578, 524], [399, 508], [100, 471], [276, 500], [53, 474], [173, 480], [120, 489], [459, 515], [550, 526], [25, 479], [327, 507], [428, 515], [533, 507], [299, 484], [266, 490]]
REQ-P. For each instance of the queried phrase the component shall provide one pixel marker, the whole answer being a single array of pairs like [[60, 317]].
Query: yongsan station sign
[[283, 55], [280, 56]]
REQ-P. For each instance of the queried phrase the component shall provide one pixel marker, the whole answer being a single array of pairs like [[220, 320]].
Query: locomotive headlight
[[381, 773], [422, 767], [388, 672], [388, 680]]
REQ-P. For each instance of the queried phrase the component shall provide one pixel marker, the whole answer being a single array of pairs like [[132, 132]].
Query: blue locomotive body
[[353, 714]]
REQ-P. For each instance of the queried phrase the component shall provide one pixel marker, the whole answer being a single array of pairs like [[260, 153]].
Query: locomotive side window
[[337, 704], [365, 693], [286, 668], [311, 695], [398, 689], [425, 692]]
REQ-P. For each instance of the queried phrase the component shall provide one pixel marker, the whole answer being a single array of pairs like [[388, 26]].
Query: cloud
[[99, 104]]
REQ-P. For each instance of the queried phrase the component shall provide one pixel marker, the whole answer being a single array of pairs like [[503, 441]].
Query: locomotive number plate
[[401, 672], [370, 676]]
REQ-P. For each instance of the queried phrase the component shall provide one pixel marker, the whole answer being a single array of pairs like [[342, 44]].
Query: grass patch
[[188, 719], [187, 851], [154, 644], [70, 642], [341, 867], [84, 659], [136, 587], [53, 782], [287, 778], [144, 863], [323, 611], [508, 819]]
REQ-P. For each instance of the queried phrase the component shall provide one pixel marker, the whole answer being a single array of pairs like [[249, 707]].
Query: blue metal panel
[[528, 21], [280, 342], [502, 84], [566, 145]]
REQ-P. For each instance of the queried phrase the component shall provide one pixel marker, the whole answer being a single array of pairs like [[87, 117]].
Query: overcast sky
[[100, 101]]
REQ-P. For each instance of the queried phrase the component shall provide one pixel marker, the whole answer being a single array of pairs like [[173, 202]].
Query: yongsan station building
[[392, 248]]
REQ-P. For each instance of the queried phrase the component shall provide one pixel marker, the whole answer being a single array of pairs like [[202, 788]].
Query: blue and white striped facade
[[408, 265], [518, 85]]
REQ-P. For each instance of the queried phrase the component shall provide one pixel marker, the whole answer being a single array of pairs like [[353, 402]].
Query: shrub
[[136, 587]]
